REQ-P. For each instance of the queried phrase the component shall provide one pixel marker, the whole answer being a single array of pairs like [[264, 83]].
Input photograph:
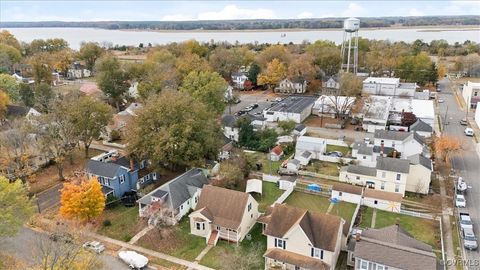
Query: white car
[[95, 246], [469, 132], [460, 201], [441, 101], [133, 259]]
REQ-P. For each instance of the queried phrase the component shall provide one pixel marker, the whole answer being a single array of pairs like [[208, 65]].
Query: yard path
[[203, 253], [140, 234], [330, 207], [446, 225], [374, 218]]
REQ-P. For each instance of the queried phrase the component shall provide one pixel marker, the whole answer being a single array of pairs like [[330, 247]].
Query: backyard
[[248, 252], [318, 203], [323, 167], [343, 149], [424, 230], [123, 222], [270, 194], [174, 240], [268, 166]]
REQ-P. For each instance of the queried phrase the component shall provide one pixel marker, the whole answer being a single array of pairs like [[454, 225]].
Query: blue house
[[118, 175]]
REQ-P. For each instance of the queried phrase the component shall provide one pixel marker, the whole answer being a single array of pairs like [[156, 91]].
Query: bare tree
[[244, 258]]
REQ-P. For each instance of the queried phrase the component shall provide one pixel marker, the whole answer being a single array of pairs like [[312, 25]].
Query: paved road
[[466, 164], [23, 244]]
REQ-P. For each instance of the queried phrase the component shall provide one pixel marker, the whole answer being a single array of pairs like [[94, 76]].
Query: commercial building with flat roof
[[388, 87], [295, 108]]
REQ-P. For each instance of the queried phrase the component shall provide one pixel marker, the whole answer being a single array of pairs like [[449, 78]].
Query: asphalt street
[[467, 164]]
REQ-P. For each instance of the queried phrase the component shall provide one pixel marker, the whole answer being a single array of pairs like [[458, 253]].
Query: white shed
[[254, 185], [347, 193], [286, 182]]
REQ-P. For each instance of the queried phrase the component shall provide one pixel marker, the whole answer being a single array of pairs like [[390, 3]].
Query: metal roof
[[293, 104]]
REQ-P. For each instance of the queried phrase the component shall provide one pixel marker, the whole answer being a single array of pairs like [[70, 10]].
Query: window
[[280, 243], [154, 176], [147, 177], [203, 226], [317, 253], [340, 193], [397, 188], [364, 157], [363, 265], [384, 174], [398, 176], [375, 202], [198, 225], [196, 199], [249, 207], [122, 178], [380, 267], [181, 207], [382, 187], [358, 177], [107, 181]]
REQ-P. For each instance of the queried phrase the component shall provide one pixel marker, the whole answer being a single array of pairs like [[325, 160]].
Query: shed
[[254, 185], [347, 193], [276, 153], [383, 200], [286, 182]]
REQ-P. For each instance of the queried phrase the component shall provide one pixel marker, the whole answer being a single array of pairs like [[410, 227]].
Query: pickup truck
[[465, 221]]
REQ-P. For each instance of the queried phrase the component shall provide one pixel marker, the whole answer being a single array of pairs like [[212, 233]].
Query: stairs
[[212, 241]]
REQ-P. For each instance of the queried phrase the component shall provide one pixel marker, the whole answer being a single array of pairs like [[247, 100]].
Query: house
[[77, 71], [419, 178], [304, 157], [389, 174], [300, 239], [367, 154], [331, 86], [286, 182], [223, 214], [422, 109], [119, 174], [178, 196], [293, 165], [238, 79], [389, 248], [228, 95], [226, 149], [296, 85], [16, 112], [333, 106], [471, 94], [299, 130], [231, 130], [316, 146], [347, 193], [383, 86], [276, 153], [383, 200], [421, 128], [120, 121], [406, 143], [375, 113], [295, 108]]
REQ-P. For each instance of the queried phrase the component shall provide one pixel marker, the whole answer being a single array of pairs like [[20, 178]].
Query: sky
[[223, 10]]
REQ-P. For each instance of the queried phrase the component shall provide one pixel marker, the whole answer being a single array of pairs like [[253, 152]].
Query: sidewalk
[[447, 228]]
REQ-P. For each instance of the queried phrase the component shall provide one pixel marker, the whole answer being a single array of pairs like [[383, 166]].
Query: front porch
[[279, 259]]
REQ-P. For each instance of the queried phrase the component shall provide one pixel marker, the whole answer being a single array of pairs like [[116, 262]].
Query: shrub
[[107, 223]]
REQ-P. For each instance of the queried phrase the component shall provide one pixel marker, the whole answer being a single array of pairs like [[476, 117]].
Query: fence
[[284, 196], [318, 175], [270, 178], [416, 214]]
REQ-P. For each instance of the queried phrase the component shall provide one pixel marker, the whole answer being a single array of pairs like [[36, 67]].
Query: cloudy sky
[[223, 10]]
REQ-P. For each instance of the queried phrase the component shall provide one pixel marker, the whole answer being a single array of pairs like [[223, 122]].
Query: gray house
[[178, 195], [118, 175]]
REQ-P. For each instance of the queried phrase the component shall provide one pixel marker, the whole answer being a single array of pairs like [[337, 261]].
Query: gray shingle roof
[[420, 159], [393, 164], [365, 150], [294, 161], [102, 168], [386, 150], [159, 193], [363, 170], [306, 154], [299, 127], [293, 104], [391, 135], [419, 125]]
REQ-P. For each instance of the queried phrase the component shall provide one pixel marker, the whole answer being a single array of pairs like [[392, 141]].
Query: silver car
[[469, 239], [95, 246]]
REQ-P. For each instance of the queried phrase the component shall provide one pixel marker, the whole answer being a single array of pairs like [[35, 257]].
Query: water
[[75, 36]]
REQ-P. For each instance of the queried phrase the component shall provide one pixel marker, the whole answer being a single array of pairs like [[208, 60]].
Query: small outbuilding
[[276, 153], [383, 200], [254, 185], [347, 193], [287, 182]]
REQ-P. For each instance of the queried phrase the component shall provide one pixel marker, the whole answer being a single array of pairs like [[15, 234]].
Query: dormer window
[[280, 243], [317, 253]]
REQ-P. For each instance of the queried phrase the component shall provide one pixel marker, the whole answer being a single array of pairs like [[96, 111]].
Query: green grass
[[268, 166], [456, 242], [167, 264], [270, 194], [310, 202], [225, 251], [124, 222], [344, 209], [367, 213], [323, 167], [176, 241], [343, 149]]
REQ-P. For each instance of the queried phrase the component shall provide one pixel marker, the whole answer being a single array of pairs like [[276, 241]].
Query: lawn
[[318, 203], [268, 166], [228, 252], [270, 194], [343, 149], [323, 167], [125, 222], [176, 241], [456, 241], [366, 221]]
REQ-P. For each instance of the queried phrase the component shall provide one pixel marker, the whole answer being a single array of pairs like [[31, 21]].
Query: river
[[75, 36]]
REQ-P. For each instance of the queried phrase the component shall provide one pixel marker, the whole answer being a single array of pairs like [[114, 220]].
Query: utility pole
[[445, 118]]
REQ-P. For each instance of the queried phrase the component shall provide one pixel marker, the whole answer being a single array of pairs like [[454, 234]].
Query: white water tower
[[350, 31]]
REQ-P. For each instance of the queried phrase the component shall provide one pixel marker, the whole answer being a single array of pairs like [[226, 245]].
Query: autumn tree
[[16, 207], [7, 38], [326, 56], [46, 45], [82, 200], [27, 96], [278, 52], [415, 68], [190, 62], [61, 60], [287, 126], [112, 79], [158, 73], [273, 74], [349, 93], [442, 71], [90, 52], [9, 56], [43, 97], [174, 129], [4, 101], [206, 87], [302, 66], [225, 61], [229, 176], [446, 146], [9, 86], [41, 67]]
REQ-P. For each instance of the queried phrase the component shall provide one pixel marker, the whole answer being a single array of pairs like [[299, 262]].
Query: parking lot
[[264, 99]]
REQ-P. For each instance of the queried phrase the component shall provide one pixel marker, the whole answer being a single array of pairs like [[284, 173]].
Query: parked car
[[285, 171], [335, 154], [63, 237], [248, 108], [460, 201], [242, 112], [461, 185], [464, 122], [465, 221], [95, 246], [133, 259], [469, 239], [278, 99], [254, 105], [441, 100], [236, 100], [469, 132]]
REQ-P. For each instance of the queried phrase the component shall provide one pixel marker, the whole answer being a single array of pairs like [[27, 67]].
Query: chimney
[[382, 148], [132, 165], [358, 237]]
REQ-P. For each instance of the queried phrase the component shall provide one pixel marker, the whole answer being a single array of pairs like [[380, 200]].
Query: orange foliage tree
[[446, 146], [82, 200]]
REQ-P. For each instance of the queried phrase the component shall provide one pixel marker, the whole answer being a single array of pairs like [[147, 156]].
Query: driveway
[[49, 198], [262, 98], [467, 164]]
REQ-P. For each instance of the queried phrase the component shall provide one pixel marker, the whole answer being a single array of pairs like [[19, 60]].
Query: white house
[[293, 165], [419, 178], [238, 79], [331, 84], [316, 146], [383, 200], [407, 143], [383, 86], [423, 110], [300, 239], [230, 130], [297, 85], [347, 193], [295, 108], [276, 153], [471, 93], [223, 214]]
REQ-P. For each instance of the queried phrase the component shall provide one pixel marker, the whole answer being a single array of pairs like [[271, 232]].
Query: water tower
[[350, 32]]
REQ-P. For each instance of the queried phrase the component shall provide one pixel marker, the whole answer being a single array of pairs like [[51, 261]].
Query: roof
[[299, 127], [363, 170], [254, 185], [422, 160], [277, 150], [386, 150], [306, 154], [159, 193], [377, 107], [238, 74], [382, 195], [365, 150], [296, 259], [228, 120], [293, 104], [298, 79], [394, 247], [347, 188], [419, 125], [105, 169], [393, 164], [225, 205], [294, 161], [106, 190], [383, 80], [391, 135], [320, 229], [179, 189], [423, 108]]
